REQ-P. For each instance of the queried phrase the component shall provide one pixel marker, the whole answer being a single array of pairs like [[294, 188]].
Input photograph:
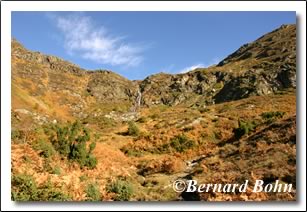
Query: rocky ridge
[[265, 66]]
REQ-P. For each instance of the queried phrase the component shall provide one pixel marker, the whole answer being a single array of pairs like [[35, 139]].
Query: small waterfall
[[137, 103], [138, 99]]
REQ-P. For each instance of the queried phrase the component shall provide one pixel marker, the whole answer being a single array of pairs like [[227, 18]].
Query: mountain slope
[[264, 66], [228, 123]]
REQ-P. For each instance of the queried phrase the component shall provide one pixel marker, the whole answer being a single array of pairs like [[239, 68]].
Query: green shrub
[[45, 148], [133, 129], [272, 116], [164, 147], [122, 189], [24, 188], [91, 161], [48, 193], [244, 128], [15, 135], [92, 192], [49, 129], [62, 141], [181, 143], [70, 141]]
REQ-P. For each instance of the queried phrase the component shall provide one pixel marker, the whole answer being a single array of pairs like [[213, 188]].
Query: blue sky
[[137, 44]]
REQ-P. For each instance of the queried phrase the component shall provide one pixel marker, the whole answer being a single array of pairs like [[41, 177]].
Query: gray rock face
[[106, 85]]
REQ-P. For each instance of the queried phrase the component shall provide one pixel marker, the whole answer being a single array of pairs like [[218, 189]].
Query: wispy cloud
[[199, 65], [213, 61], [96, 43], [190, 68]]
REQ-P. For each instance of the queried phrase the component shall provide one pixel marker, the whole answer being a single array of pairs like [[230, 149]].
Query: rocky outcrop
[[262, 67], [182, 88], [258, 82], [108, 86]]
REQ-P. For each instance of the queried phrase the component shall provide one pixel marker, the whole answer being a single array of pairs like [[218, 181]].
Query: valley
[[96, 136]]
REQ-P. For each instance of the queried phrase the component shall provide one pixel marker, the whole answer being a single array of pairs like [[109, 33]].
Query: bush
[[45, 148], [48, 193], [133, 129], [181, 143], [24, 188], [122, 189], [244, 128], [272, 116], [92, 192], [15, 135], [70, 141], [91, 161]]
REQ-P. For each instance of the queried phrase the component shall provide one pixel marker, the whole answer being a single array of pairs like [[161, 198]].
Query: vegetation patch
[[92, 192], [16, 135], [70, 141], [270, 117], [133, 129], [24, 188], [244, 128], [181, 143], [122, 189], [44, 147]]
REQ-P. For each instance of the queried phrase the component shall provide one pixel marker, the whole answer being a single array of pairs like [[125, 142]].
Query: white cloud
[[214, 61], [200, 65], [82, 37], [190, 68]]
